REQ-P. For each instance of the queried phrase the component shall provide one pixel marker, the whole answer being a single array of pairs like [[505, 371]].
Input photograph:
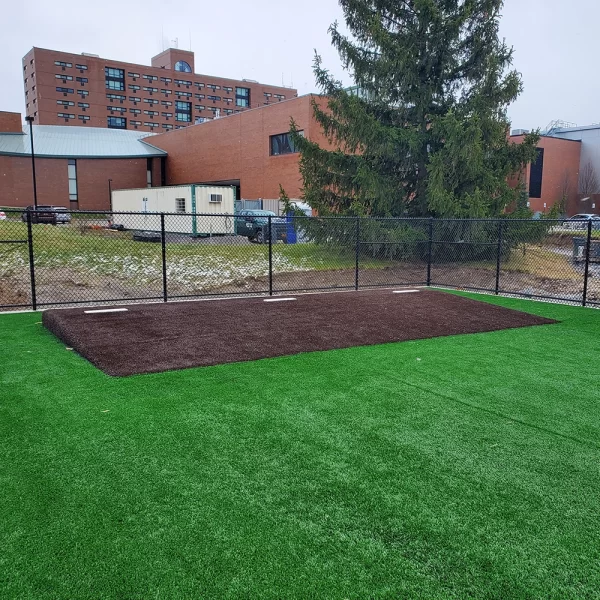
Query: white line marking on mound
[[405, 291], [278, 299], [104, 310]]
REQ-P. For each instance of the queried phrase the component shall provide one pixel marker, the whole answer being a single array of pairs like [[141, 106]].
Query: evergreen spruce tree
[[425, 130]]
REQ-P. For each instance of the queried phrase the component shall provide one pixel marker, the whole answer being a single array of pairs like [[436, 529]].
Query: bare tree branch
[[588, 180]]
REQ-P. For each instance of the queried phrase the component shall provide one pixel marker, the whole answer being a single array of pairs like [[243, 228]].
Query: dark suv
[[55, 215], [254, 224]]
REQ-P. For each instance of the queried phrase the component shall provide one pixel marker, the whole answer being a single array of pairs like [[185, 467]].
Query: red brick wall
[[237, 148], [16, 182], [561, 159], [10, 122]]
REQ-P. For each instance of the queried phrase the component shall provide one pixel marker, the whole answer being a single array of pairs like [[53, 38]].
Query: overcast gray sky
[[273, 41]]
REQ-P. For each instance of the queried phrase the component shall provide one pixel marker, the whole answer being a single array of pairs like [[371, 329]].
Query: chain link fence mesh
[[104, 257]]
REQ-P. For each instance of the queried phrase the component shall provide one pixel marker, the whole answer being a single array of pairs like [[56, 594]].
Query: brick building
[[75, 166], [555, 173], [86, 90], [251, 150]]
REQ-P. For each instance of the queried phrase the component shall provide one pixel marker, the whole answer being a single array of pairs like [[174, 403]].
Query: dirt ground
[[152, 338], [68, 287]]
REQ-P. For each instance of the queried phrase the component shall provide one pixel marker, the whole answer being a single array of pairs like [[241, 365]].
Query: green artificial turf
[[459, 467]]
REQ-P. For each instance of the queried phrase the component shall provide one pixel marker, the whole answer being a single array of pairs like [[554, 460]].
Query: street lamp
[[30, 121]]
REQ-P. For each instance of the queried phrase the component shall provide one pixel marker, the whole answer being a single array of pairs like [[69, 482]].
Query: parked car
[[44, 213], [2, 215], [254, 224], [580, 221]]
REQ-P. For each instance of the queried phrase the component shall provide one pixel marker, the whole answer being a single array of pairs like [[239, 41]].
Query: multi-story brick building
[[84, 89]]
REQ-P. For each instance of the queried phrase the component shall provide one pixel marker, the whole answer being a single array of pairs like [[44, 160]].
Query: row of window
[[66, 91], [68, 116], [64, 65]]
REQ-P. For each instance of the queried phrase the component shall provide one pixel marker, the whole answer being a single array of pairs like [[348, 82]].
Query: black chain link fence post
[[270, 258], [164, 256], [499, 256], [429, 251], [588, 248], [31, 261], [357, 252]]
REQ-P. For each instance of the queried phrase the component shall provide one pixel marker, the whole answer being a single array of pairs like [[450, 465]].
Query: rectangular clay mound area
[[152, 338]]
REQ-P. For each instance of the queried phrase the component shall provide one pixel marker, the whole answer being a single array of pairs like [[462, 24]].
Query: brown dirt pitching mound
[[160, 337]]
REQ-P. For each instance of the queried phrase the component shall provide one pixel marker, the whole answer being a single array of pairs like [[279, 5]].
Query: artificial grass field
[[457, 467]]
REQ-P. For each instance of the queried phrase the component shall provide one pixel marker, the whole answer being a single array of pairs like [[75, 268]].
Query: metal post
[[499, 256], [110, 194], [429, 251], [270, 259], [164, 255], [30, 121], [588, 250], [357, 252], [31, 261]]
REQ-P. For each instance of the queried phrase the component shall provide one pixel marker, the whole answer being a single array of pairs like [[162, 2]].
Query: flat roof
[[64, 141]]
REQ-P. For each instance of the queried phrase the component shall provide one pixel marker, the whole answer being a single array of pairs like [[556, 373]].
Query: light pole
[[30, 121], [110, 194]]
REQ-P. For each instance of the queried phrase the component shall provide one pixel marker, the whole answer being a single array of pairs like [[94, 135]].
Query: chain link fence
[[104, 258]]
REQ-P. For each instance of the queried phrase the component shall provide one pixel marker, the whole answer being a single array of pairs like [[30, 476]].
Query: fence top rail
[[309, 217]]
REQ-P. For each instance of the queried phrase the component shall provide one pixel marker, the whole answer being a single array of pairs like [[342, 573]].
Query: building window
[[180, 205], [115, 78], [200, 107], [167, 126], [65, 91], [283, 144], [135, 123], [65, 102], [151, 113], [150, 77], [60, 63], [166, 92], [117, 122], [83, 105], [134, 87], [242, 96], [199, 96], [185, 82], [536, 174], [82, 80], [72, 174], [119, 109], [213, 87], [166, 103], [81, 67], [150, 101], [228, 100], [166, 115], [65, 78], [84, 118], [183, 111], [165, 79], [65, 116], [228, 89], [151, 125], [228, 111], [214, 98], [83, 93], [216, 198], [135, 111], [118, 97], [150, 90], [199, 120], [184, 94], [133, 75], [149, 172], [183, 66], [279, 96]]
